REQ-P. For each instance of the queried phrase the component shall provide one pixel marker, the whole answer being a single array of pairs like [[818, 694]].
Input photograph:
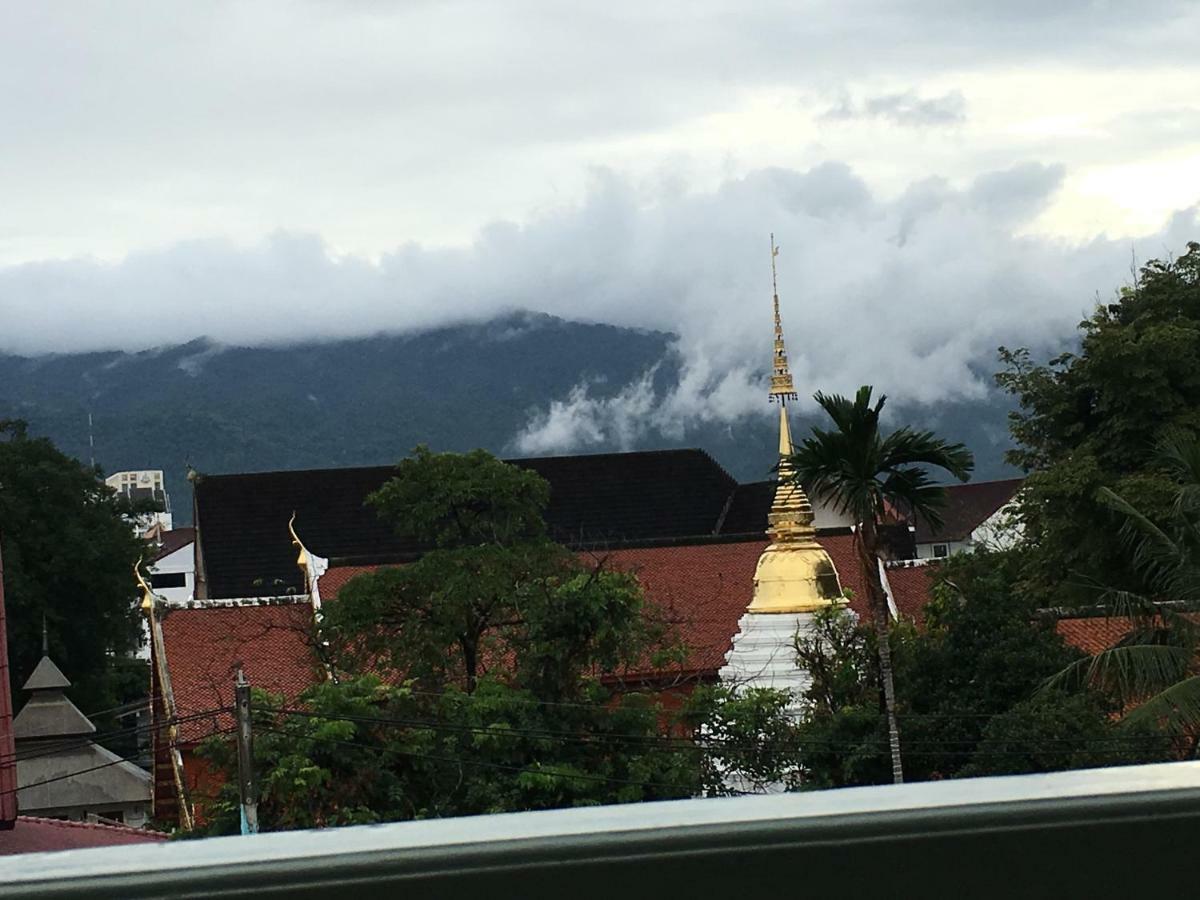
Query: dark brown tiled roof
[[171, 541], [967, 507], [748, 508], [600, 500]]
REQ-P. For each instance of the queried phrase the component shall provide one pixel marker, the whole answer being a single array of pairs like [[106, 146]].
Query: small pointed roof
[[49, 714], [46, 677]]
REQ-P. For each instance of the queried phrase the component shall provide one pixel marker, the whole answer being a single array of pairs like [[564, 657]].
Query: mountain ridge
[[368, 401]]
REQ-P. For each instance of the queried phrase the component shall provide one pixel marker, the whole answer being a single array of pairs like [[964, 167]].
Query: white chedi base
[[764, 654]]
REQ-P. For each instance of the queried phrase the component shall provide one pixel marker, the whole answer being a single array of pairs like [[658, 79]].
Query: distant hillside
[[369, 401]]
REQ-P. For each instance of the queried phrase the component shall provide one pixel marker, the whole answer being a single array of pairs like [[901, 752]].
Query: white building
[[171, 564], [976, 514], [145, 484]]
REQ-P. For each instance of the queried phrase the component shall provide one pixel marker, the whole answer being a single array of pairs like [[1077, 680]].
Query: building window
[[940, 550], [168, 579]]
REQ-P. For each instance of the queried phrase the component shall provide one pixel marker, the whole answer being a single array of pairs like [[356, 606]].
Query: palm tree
[[863, 473], [1152, 671]]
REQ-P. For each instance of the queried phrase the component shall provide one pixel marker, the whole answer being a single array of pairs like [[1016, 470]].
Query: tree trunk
[[470, 649], [868, 546]]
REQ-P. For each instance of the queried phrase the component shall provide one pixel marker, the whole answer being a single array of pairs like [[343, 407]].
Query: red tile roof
[[335, 579], [1093, 633], [704, 589], [910, 586], [31, 834], [204, 646]]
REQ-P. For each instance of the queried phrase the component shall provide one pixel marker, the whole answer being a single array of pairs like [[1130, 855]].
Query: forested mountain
[[370, 400]]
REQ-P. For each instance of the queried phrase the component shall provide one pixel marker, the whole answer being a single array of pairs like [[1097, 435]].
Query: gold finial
[[147, 591], [781, 377]]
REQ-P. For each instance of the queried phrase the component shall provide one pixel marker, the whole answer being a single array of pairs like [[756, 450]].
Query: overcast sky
[[943, 175]]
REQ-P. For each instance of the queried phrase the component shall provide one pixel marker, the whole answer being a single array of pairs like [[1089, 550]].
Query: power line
[[115, 762], [83, 742], [668, 742]]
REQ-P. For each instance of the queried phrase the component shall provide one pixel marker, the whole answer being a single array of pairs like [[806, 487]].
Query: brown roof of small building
[[967, 507], [170, 541], [31, 834]]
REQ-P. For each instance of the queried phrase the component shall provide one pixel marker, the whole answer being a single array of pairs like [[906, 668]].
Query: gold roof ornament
[[147, 591], [302, 558], [794, 573]]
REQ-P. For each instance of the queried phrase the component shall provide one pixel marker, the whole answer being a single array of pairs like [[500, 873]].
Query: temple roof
[[598, 500], [703, 589]]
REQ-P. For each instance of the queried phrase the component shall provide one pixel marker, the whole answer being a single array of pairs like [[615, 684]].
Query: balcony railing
[[1098, 833]]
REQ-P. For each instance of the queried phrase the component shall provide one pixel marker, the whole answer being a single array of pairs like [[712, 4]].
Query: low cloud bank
[[911, 293]]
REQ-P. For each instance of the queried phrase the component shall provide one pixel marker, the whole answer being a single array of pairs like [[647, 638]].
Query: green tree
[[502, 655], [69, 551], [1152, 672], [967, 688], [748, 740], [1089, 420], [865, 474], [491, 592]]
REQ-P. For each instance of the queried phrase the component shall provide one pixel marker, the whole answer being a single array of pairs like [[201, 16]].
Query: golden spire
[[781, 376], [794, 573]]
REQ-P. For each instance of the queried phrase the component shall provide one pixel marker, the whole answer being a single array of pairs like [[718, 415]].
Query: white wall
[[181, 561]]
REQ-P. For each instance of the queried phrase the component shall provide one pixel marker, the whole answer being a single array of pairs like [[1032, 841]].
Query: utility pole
[[245, 745]]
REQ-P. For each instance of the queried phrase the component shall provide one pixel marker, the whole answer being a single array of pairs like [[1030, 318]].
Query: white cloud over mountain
[[911, 293]]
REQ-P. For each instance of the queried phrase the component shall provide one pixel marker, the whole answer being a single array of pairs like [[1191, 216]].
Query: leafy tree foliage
[[967, 689], [69, 551], [864, 473], [501, 655], [1089, 420], [747, 739], [1151, 673], [492, 593]]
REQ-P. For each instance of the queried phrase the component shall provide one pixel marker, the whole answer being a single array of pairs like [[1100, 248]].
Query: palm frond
[[914, 489], [1130, 672], [1155, 552], [908, 447], [1176, 709]]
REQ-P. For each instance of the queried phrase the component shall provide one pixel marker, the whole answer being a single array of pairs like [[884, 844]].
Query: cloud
[[912, 293], [907, 108]]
